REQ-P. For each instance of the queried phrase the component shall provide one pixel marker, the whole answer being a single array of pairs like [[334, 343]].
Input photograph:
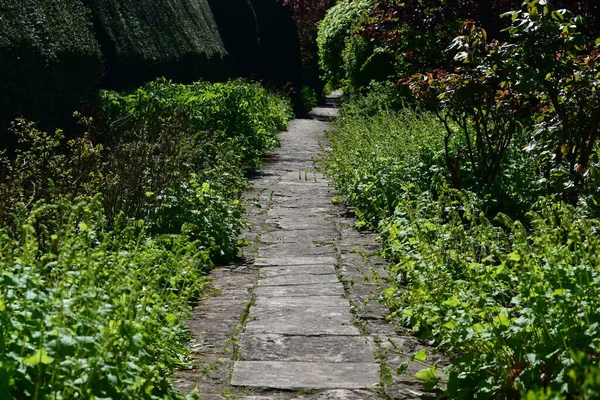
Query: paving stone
[[321, 289], [273, 261], [300, 223], [267, 272], [301, 375], [312, 302], [297, 279], [338, 394], [272, 347], [296, 250], [301, 321]]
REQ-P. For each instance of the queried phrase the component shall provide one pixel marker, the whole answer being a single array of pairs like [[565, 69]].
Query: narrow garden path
[[298, 318]]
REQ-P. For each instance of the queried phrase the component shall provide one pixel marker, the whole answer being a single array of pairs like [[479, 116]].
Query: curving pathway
[[298, 318]]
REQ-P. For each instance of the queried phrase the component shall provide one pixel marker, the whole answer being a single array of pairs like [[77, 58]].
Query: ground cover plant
[[486, 210], [515, 302], [106, 239]]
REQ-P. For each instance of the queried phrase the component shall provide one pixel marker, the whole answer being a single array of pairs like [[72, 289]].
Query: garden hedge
[[261, 40], [143, 39], [49, 60]]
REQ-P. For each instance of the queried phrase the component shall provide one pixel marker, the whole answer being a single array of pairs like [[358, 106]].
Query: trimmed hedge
[[49, 60], [261, 41], [143, 39]]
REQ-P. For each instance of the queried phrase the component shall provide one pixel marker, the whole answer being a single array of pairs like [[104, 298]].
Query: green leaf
[[402, 368], [420, 355], [503, 319], [514, 256], [452, 301], [428, 375], [39, 357], [171, 318]]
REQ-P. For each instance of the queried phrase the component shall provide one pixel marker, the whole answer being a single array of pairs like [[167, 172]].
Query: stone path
[[298, 318]]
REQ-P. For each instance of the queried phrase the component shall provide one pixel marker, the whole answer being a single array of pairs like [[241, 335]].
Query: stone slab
[[327, 289], [297, 279], [303, 303], [300, 223], [272, 347], [302, 375], [297, 236], [268, 272], [302, 322], [273, 261], [324, 113], [296, 250], [336, 394]]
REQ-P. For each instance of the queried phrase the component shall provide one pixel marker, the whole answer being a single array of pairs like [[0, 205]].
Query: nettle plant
[[544, 79]]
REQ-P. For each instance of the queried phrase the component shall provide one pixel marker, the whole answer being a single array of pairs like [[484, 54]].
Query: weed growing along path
[[299, 318]]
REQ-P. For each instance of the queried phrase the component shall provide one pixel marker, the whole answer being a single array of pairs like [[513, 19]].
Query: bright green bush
[[89, 310], [235, 111], [335, 35], [49, 60]]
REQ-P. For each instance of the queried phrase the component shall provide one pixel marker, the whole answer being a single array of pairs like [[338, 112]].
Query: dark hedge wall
[[143, 39], [261, 40], [49, 60]]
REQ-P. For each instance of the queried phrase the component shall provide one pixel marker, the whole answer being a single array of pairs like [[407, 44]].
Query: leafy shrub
[[334, 32], [94, 291], [543, 78], [376, 98], [518, 308]]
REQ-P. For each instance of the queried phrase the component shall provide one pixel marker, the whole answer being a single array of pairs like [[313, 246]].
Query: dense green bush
[[142, 40], [347, 59], [538, 87], [335, 30], [95, 289], [49, 60]]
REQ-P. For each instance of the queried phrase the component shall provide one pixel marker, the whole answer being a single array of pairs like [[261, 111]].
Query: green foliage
[[241, 114], [92, 310], [334, 36], [349, 60], [403, 149], [514, 302], [145, 39], [49, 60], [375, 98]]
